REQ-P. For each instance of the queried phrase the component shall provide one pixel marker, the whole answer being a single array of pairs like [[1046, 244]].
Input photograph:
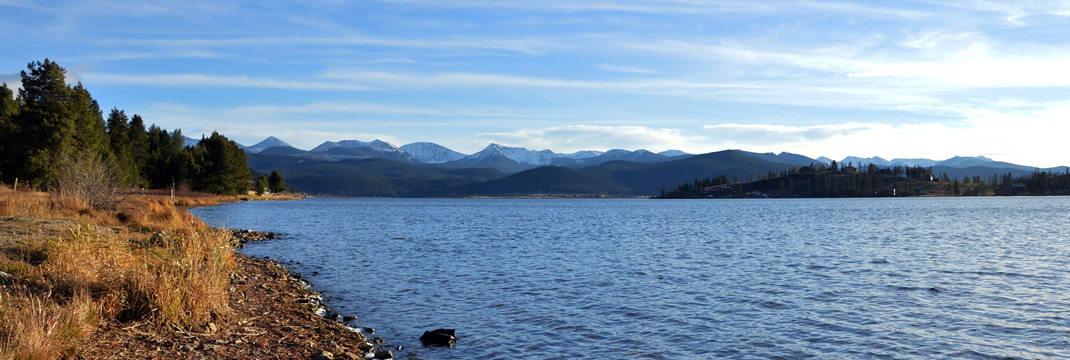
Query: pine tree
[[138, 145], [45, 127], [90, 137], [163, 165], [118, 126], [276, 182], [217, 165], [261, 185], [9, 110]]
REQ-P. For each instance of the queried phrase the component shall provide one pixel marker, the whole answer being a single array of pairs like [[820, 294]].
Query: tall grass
[[145, 262], [45, 327]]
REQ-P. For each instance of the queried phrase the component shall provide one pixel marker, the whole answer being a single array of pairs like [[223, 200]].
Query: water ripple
[[780, 279]]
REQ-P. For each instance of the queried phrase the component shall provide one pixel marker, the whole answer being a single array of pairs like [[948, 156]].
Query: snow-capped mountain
[[955, 162], [431, 153], [912, 162], [581, 154], [673, 153], [620, 154], [876, 160], [188, 141], [967, 161], [520, 155], [374, 145], [268, 143]]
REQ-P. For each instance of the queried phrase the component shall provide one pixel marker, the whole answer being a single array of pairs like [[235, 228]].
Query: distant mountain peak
[[268, 143], [377, 145], [431, 153], [673, 153]]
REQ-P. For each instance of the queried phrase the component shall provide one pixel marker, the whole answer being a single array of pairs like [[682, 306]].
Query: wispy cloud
[[681, 7], [528, 46], [780, 134], [627, 69], [368, 108], [591, 137], [13, 80], [201, 80]]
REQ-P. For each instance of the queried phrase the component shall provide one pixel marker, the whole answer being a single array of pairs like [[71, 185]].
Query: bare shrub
[[87, 179]]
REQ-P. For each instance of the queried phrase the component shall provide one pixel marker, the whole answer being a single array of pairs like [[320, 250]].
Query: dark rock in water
[[439, 337], [331, 315], [378, 341], [349, 318], [934, 290], [366, 347], [243, 236], [369, 330], [384, 354]]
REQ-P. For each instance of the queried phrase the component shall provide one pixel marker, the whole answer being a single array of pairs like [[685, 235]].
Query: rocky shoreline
[[373, 348], [275, 315]]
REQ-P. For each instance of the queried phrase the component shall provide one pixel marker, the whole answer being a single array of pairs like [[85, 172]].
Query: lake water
[[911, 278]]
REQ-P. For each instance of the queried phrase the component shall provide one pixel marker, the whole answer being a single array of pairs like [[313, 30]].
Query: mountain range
[[378, 168], [502, 158]]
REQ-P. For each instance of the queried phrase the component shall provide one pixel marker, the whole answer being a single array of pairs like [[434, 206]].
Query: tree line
[[50, 122], [845, 180]]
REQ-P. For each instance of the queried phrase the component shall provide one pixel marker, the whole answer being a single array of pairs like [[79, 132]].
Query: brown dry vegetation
[[67, 268]]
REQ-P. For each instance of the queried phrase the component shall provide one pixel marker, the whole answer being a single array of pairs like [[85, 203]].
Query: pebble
[[208, 347], [323, 355]]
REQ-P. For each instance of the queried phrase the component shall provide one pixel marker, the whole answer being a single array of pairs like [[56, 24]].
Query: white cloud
[[782, 134], [350, 108], [202, 80], [528, 46], [1004, 137], [571, 138], [13, 80], [627, 69], [682, 7], [249, 127]]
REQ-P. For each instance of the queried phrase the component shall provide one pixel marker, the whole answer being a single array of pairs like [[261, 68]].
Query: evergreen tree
[[45, 127], [276, 183], [217, 165], [9, 110], [118, 126], [163, 160], [138, 145], [90, 137], [261, 185]]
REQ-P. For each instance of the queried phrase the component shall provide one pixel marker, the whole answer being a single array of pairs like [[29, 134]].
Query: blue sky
[[902, 79]]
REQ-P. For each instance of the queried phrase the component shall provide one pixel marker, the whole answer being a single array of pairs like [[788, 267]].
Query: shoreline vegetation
[[145, 279], [846, 181]]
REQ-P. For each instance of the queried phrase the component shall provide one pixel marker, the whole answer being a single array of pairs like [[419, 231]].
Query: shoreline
[[269, 320], [257, 309]]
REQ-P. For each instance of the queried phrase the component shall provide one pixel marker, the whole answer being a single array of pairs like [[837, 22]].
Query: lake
[[896, 278]]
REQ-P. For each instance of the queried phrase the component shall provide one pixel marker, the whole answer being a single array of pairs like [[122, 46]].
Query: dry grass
[[145, 261]]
